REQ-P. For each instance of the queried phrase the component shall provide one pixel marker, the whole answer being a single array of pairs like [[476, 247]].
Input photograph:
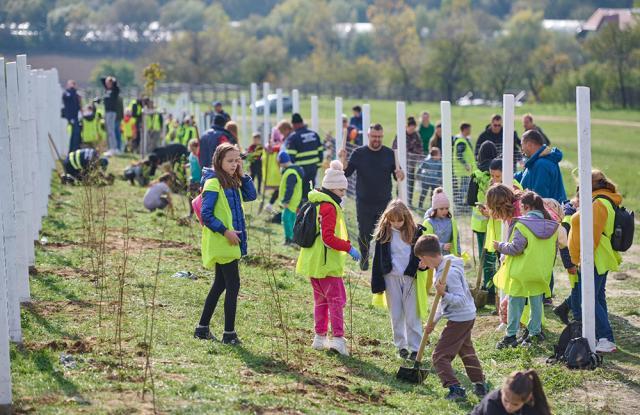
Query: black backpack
[[305, 231], [570, 332], [579, 355], [623, 227]]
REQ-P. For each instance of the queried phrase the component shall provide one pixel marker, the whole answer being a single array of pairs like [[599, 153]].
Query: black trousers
[[368, 215], [310, 172], [227, 278]]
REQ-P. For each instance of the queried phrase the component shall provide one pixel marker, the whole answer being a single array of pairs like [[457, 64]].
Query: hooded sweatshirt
[[542, 174], [457, 303], [535, 222], [599, 221], [487, 153]]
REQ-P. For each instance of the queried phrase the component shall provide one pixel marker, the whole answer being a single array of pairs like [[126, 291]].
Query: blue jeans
[[118, 136], [74, 142], [516, 307], [603, 327]]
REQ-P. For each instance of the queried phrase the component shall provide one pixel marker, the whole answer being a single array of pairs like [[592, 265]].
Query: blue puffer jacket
[[542, 175], [209, 200]]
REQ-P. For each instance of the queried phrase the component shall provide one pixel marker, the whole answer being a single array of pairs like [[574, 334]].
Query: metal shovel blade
[[415, 374]]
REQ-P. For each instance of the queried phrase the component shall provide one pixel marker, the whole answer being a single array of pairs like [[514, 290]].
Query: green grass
[[197, 377]]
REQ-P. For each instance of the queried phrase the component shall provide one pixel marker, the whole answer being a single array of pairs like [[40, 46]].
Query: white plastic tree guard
[[279, 105], [366, 122], [243, 123], [254, 112], [266, 128], [401, 152], [508, 116], [583, 115], [295, 101], [338, 126], [447, 149], [315, 120]]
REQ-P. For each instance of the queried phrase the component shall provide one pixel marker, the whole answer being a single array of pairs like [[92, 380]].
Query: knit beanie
[[283, 157], [334, 177], [439, 199]]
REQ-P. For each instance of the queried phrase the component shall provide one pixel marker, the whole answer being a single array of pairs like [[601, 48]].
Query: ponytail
[[527, 384], [535, 202]]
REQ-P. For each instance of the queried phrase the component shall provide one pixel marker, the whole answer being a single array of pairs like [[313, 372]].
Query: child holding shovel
[[324, 261], [394, 273], [290, 194], [458, 307]]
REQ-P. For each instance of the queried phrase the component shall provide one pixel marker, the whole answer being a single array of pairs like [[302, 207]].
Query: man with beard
[[375, 165]]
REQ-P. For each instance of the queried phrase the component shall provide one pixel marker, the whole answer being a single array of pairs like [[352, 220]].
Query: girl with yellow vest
[[324, 261], [290, 194], [605, 196], [224, 235], [91, 128], [525, 274], [394, 273]]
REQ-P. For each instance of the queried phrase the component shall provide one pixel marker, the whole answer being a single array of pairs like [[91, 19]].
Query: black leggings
[[227, 278]]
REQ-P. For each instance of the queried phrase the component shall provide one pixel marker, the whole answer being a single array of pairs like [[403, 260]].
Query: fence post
[[254, 113], [447, 150], [339, 139], [508, 115], [583, 115], [401, 158], [315, 122], [295, 101], [243, 113], [366, 122], [266, 139]]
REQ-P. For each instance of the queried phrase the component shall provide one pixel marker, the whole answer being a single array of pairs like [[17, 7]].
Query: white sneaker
[[339, 344], [319, 342], [606, 346], [269, 208]]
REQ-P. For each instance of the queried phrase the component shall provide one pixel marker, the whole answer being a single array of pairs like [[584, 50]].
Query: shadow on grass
[[45, 363], [45, 323], [54, 284]]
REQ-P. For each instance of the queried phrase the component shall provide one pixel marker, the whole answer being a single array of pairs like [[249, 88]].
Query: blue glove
[[355, 254]]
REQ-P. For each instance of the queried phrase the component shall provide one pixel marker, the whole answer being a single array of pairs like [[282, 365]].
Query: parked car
[[287, 105]]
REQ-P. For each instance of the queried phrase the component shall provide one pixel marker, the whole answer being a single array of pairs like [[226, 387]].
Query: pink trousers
[[330, 297]]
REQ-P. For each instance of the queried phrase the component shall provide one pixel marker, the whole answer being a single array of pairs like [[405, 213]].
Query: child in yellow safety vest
[[129, 130], [525, 274], [324, 261], [290, 194], [224, 235], [394, 274], [92, 132]]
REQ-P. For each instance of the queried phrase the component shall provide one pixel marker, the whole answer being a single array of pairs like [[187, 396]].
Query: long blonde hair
[[396, 210]]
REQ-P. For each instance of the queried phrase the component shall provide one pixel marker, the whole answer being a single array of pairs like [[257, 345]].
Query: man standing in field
[[493, 133], [527, 123], [426, 131], [72, 104], [305, 148], [375, 166]]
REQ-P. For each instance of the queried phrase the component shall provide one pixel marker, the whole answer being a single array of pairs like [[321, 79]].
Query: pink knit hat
[[439, 199]]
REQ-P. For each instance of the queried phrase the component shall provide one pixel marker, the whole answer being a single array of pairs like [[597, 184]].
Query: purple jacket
[[540, 227]]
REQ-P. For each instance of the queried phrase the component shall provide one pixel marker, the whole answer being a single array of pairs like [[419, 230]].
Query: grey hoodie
[[457, 303], [535, 222]]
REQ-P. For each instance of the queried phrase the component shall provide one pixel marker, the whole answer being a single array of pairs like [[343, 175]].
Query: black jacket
[[71, 102], [382, 263], [110, 97], [491, 404], [488, 135]]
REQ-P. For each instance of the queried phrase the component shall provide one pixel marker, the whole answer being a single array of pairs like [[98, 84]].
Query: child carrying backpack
[[394, 273], [606, 200], [324, 261]]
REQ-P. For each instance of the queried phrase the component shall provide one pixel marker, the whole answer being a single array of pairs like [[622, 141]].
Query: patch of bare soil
[[70, 307], [69, 346], [607, 397]]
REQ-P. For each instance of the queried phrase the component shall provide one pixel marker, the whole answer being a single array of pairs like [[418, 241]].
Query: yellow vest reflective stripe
[[478, 221], [297, 190], [455, 249], [270, 169], [467, 155], [75, 158], [320, 261], [605, 258], [494, 227], [528, 274], [216, 249]]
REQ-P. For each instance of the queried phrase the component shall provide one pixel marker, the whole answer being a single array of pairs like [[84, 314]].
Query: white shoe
[[339, 344], [501, 327], [269, 208], [319, 342], [606, 346]]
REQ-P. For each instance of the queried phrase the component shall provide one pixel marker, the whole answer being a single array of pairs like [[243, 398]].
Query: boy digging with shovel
[[458, 307]]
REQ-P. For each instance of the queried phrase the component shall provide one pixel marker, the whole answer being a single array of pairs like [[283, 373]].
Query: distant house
[[563, 26], [601, 17]]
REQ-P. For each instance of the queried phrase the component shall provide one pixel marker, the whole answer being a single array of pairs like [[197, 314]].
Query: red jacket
[[328, 217]]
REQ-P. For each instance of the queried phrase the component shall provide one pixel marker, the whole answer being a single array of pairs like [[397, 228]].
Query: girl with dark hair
[[522, 394]]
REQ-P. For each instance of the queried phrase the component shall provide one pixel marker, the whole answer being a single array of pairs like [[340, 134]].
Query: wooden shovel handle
[[432, 313]]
